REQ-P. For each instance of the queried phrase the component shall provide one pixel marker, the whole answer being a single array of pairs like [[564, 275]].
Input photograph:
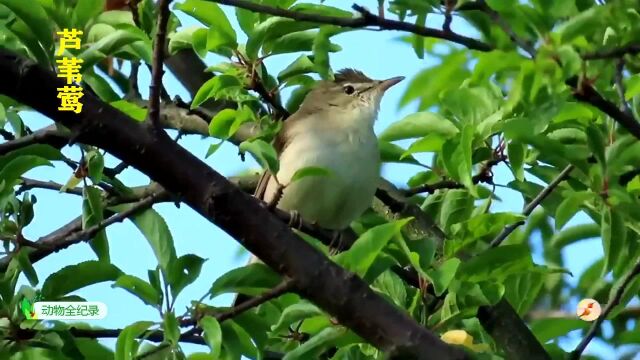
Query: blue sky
[[379, 54]]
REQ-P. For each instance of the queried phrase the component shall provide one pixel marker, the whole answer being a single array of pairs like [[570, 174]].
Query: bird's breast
[[333, 201]]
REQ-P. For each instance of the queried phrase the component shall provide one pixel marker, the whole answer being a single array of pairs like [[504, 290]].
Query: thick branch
[[367, 19], [334, 289]]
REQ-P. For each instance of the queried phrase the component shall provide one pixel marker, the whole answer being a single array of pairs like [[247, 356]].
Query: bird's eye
[[349, 89]]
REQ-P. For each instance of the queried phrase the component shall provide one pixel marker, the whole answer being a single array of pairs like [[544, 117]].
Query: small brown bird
[[332, 129]]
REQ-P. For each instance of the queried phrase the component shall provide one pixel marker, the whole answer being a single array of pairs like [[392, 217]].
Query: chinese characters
[[69, 69]]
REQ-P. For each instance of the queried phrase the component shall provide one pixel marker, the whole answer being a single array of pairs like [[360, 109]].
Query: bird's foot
[[336, 243], [295, 220]]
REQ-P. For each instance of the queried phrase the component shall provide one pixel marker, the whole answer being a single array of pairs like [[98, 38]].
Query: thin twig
[[155, 88], [365, 20], [49, 135], [532, 205], [72, 233], [28, 184], [630, 49], [284, 287], [134, 91], [495, 16], [484, 175], [613, 301]]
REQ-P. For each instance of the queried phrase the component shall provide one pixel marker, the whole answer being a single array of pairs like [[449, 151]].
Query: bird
[[332, 129]]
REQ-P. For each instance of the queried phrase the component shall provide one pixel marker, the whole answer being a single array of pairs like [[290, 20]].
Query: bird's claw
[[295, 220]]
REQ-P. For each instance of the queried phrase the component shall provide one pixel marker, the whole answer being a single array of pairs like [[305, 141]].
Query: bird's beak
[[386, 84]]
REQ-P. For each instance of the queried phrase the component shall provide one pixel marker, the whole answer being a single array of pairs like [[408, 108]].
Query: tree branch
[[334, 289], [629, 49], [158, 59], [484, 175], [367, 19], [586, 93], [528, 209], [613, 301], [49, 135], [72, 233]]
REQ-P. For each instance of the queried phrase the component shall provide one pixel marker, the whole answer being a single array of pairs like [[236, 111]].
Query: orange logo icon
[[588, 309]]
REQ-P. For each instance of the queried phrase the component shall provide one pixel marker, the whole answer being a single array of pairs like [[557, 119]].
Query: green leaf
[[126, 345], [171, 328], [157, 233], [211, 15], [221, 123], [251, 279], [247, 20], [419, 125], [212, 334], [317, 344], [613, 232], [73, 277], [574, 234], [470, 105], [92, 215], [212, 87], [551, 328], [428, 84], [263, 152], [296, 42], [580, 24], [368, 246], [430, 143], [112, 42], [392, 153], [570, 206], [132, 110], [496, 263], [443, 275], [302, 65], [632, 86], [293, 313], [456, 156], [27, 268], [100, 86], [36, 19], [597, 143], [184, 271], [20, 165], [140, 288], [321, 45], [237, 342], [86, 10], [95, 163], [310, 171], [213, 148], [515, 152], [272, 29]]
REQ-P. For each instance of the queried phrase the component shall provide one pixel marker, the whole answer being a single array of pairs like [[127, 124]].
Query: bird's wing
[[279, 144]]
